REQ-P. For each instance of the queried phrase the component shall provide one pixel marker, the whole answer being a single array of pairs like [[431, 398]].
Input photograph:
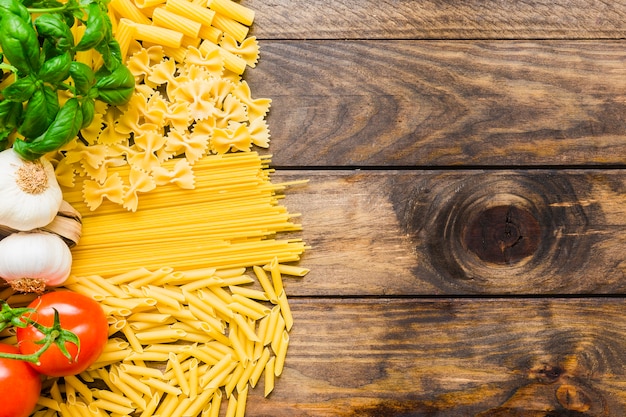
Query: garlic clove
[[30, 195], [31, 261], [67, 224]]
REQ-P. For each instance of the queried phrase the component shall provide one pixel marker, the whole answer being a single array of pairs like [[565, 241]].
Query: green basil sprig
[[38, 50]]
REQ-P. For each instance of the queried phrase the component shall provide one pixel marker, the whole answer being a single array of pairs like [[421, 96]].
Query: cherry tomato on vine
[[78, 314], [20, 385]]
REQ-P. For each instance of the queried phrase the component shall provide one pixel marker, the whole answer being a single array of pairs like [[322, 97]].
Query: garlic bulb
[[30, 195], [31, 261]]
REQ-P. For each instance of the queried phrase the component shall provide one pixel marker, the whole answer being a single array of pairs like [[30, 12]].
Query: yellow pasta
[[124, 34], [158, 35], [144, 4], [136, 385], [230, 26], [265, 283], [127, 9], [184, 8], [285, 310], [171, 20], [231, 61], [194, 381], [78, 386], [210, 34], [281, 353], [49, 403], [246, 310], [181, 236], [232, 10], [161, 386], [248, 293], [130, 392], [269, 376], [231, 409], [167, 406], [97, 405], [152, 406]]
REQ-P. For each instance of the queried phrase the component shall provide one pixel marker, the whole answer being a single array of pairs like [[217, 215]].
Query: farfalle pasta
[[190, 100]]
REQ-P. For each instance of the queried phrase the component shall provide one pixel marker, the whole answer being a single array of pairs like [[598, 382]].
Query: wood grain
[[438, 19], [404, 232], [442, 103], [456, 357], [456, 151]]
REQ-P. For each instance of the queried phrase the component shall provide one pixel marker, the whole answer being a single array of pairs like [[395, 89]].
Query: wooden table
[[466, 206]]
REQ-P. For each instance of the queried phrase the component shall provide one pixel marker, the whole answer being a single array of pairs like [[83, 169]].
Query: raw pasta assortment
[[182, 342], [181, 239]]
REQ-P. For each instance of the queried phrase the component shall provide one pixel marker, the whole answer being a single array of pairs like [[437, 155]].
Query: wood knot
[[499, 232], [503, 234]]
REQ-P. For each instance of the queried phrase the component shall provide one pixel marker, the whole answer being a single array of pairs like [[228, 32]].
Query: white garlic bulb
[[30, 195], [32, 261]]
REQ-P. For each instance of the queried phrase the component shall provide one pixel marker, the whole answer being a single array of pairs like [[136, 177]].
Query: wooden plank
[[440, 103], [438, 19], [460, 232], [457, 357]]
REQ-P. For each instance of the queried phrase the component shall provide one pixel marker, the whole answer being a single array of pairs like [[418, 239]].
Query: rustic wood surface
[[465, 205]]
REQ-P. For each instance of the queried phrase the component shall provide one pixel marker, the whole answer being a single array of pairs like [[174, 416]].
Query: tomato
[[78, 314], [20, 385]]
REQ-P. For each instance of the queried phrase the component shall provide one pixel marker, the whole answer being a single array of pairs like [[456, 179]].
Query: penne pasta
[[269, 376], [264, 280], [151, 406], [231, 409], [277, 278], [259, 366], [78, 386], [281, 353], [285, 310], [161, 386], [242, 398]]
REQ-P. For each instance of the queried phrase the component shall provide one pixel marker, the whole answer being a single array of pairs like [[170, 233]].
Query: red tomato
[[80, 315], [20, 385]]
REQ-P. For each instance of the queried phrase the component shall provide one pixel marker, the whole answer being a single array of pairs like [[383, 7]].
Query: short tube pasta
[[163, 17]]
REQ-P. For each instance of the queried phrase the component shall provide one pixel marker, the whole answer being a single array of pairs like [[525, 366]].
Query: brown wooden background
[[466, 204]]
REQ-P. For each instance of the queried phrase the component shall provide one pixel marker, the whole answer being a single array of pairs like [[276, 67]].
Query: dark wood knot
[[499, 232], [504, 234]]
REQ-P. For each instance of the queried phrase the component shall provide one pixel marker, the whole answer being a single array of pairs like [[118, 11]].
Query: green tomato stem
[[52, 335]]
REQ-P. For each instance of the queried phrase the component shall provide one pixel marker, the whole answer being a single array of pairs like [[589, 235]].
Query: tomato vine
[[52, 335]]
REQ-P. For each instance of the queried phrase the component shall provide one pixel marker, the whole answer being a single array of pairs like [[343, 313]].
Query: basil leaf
[[95, 30], [117, 87], [19, 43], [10, 114], [56, 69], [83, 77], [17, 8], [88, 108], [54, 29], [40, 111], [21, 90], [63, 129]]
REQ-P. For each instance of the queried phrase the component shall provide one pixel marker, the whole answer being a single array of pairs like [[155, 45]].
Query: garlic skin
[[32, 261], [30, 195]]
